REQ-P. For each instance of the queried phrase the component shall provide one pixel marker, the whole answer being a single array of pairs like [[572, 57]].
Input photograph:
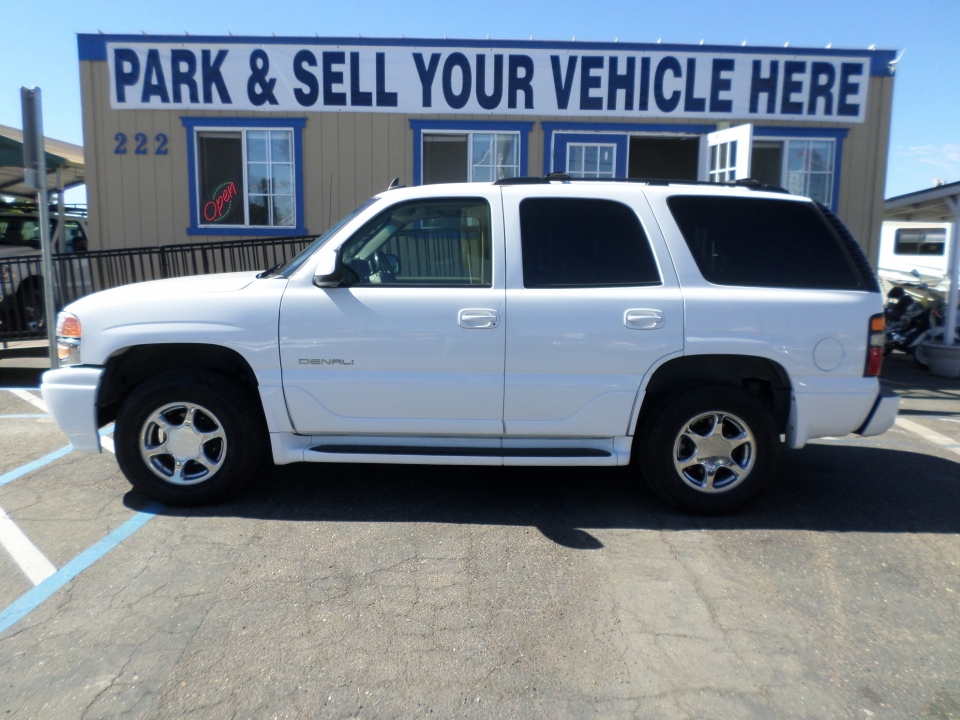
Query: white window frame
[[246, 185], [784, 140], [597, 175], [470, 134]]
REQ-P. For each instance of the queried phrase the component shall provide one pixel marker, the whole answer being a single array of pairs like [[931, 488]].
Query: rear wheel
[[190, 438], [711, 450]]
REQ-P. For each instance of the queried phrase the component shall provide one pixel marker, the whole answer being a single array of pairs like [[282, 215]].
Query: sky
[[925, 132]]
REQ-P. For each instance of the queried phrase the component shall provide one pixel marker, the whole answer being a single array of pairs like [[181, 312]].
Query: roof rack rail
[[523, 180], [748, 183]]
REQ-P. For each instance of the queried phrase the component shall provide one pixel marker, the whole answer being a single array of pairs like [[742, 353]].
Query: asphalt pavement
[[362, 591]]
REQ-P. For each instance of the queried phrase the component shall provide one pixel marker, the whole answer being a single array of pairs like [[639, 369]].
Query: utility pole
[[35, 176]]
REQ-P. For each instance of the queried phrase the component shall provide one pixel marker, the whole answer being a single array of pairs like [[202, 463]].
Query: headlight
[[68, 338]]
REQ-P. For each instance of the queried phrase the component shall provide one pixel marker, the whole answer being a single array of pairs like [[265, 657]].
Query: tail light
[[877, 338]]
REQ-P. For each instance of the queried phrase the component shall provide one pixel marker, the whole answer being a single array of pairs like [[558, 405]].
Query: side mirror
[[331, 271], [393, 261]]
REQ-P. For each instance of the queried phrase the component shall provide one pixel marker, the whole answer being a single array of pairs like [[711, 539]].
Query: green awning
[[11, 155], [66, 157]]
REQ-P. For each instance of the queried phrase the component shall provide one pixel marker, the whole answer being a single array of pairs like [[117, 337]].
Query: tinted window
[[433, 242], [922, 241], [22, 232], [762, 243], [578, 242]]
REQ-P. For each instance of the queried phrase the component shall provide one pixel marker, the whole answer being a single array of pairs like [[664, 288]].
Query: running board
[[288, 447], [463, 451]]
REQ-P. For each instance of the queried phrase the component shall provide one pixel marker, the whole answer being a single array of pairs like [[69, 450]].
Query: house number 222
[[141, 140]]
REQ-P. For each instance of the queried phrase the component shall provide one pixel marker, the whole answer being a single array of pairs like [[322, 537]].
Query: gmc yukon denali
[[684, 330]]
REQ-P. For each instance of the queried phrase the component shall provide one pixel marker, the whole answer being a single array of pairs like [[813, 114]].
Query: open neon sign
[[218, 208]]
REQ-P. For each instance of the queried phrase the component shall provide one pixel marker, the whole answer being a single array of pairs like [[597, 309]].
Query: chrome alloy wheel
[[183, 443], [714, 452]]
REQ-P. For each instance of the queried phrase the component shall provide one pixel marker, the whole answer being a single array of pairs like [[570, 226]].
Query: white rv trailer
[[912, 251]]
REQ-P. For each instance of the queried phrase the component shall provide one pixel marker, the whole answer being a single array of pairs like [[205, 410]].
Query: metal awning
[[931, 205], [62, 156], [936, 204]]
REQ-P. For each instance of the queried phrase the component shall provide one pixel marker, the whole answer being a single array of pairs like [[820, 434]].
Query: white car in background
[[21, 279], [685, 330]]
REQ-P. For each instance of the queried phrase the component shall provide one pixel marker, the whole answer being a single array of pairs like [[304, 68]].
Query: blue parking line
[[45, 460], [35, 465], [32, 599]]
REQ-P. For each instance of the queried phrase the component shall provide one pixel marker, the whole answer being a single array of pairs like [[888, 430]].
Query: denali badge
[[319, 361]]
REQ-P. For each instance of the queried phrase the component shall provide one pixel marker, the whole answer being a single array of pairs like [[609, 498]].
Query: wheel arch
[[760, 376], [128, 368]]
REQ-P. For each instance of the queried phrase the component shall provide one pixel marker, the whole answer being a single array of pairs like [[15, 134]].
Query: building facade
[[203, 138]]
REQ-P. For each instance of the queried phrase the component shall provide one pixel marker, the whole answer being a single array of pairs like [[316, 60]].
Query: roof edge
[[935, 193], [93, 47]]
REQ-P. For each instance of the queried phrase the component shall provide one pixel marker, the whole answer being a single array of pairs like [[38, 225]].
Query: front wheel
[[189, 438], [711, 450]]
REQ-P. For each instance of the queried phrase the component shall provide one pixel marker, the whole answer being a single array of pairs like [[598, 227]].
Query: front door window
[[434, 243]]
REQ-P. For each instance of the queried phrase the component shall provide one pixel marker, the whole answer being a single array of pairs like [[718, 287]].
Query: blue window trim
[[94, 46], [604, 132], [489, 126], [837, 134], [296, 124]]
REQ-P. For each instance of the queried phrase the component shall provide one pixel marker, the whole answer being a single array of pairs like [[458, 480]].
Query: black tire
[[233, 410], [29, 305], [658, 442]]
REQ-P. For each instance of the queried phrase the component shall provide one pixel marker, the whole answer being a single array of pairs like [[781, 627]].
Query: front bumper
[[71, 395]]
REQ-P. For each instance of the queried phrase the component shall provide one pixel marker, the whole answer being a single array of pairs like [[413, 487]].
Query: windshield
[[290, 267]]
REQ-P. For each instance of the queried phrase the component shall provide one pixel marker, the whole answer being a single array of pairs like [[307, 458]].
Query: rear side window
[[762, 243], [570, 242]]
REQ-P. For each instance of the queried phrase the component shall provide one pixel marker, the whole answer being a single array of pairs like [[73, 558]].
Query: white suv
[[685, 329]]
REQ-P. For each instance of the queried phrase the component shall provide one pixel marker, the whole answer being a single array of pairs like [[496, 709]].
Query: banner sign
[[469, 80]]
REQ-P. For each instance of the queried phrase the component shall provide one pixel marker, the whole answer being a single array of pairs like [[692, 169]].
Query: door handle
[[643, 319], [478, 318]]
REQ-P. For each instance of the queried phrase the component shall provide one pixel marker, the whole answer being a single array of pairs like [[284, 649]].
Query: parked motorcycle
[[908, 317]]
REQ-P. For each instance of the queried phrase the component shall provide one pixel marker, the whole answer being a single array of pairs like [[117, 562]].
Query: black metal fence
[[79, 274]]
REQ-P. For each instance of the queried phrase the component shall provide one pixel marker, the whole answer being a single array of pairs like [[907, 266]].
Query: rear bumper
[[883, 414], [838, 407], [71, 395]]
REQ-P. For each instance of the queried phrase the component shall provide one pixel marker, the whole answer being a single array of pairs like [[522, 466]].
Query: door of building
[[729, 154], [664, 157]]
